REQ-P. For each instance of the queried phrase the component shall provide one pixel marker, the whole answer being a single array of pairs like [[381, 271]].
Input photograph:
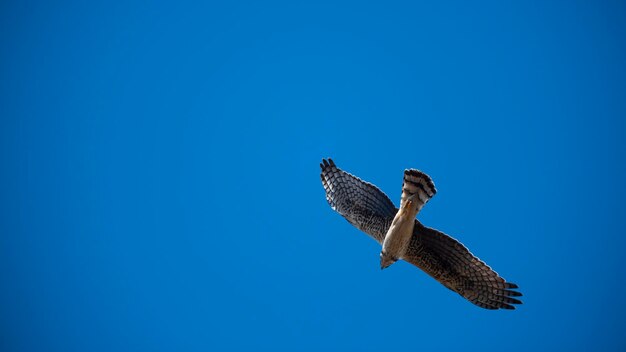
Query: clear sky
[[160, 172]]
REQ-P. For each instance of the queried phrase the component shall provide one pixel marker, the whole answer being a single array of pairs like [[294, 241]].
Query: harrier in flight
[[402, 236]]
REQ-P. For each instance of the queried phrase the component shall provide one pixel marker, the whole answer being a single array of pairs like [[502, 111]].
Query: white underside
[[399, 234]]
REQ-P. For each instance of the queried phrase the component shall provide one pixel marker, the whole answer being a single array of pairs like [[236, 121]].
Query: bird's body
[[399, 235], [402, 236], [417, 189]]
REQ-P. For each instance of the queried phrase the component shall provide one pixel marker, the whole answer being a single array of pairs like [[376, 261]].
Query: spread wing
[[361, 203], [418, 184], [452, 264]]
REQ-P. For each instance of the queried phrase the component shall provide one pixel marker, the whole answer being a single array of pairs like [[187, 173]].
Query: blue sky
[[160, 179]]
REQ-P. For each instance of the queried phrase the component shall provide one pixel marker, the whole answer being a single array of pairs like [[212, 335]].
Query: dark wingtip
[[327, 163], [511, 285], [514, 301], [508, 306]]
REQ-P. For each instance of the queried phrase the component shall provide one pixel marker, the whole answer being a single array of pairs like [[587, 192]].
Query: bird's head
[[386, 260]]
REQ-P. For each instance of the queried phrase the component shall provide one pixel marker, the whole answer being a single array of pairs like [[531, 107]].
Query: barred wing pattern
[[439, 255], [451, 263], [361, 203]]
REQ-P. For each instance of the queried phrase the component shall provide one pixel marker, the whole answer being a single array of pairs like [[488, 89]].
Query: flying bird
[[402, 236]]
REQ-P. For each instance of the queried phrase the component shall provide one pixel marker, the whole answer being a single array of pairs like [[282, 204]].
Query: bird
[[403, 237]]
